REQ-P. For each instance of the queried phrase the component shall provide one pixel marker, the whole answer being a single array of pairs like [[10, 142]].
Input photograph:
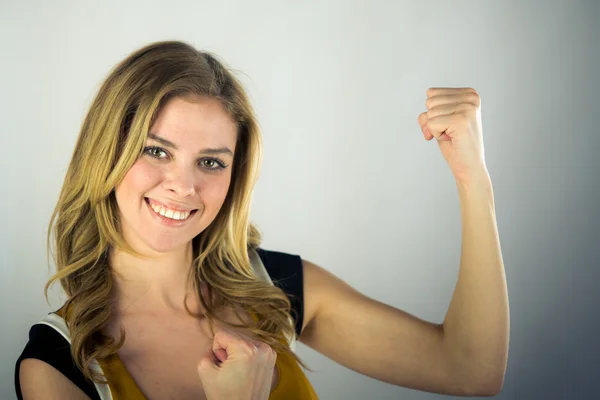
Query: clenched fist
[[453, 117], [237, 367]]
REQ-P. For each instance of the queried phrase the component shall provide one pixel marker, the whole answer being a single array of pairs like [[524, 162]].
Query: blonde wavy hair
[[85, 222]]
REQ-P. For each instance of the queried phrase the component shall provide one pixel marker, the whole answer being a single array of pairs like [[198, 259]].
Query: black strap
[[49, 346], [286, 272]]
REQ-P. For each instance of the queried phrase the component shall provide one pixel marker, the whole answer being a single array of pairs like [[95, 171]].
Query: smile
[[166, 214]]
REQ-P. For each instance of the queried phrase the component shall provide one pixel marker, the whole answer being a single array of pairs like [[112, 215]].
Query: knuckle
[[223, 332], [463, 118], [475, 98], [249, 347], [264, 349], [225, 335], [263, 346], [220, 333], [470, 108]]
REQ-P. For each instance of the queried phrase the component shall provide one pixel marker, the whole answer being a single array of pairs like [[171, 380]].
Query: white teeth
[[168, 213]]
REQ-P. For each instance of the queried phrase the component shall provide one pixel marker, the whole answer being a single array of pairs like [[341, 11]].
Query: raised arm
[[467, 353]]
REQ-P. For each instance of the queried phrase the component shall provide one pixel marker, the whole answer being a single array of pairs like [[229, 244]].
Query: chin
[[166, 246]]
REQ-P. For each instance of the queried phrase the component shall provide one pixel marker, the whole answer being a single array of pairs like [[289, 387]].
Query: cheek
[[216, 191], [140, 178]]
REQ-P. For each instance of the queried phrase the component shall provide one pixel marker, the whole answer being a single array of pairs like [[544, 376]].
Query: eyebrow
[[165, 142]]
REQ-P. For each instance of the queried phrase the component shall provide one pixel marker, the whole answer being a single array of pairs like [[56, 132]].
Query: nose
[[180, 181]]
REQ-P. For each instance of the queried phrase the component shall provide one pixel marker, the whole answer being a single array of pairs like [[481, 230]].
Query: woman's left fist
[[453, 117]]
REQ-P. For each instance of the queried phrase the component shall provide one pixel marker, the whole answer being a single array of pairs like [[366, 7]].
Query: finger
[[265, 351], [444, 124], [220, 355], [449, 109], [232, 343], [469, 97], [437, 91], [223, 341], [422, 120]]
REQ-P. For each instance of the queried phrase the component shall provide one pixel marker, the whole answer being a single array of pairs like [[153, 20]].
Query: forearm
[[476, 327]]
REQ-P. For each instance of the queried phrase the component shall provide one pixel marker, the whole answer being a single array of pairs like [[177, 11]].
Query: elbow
[[480, 376], [486, 377], [489, 387], [490, 391]]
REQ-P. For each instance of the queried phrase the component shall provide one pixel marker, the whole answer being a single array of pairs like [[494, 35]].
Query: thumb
[[220, 354], [229, 345], [225, 344]]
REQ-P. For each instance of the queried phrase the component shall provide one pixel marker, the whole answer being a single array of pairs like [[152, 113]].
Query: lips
[[168, 215], [167, 206]]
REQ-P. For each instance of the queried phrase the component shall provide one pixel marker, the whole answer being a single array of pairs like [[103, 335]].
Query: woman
[[169, 294]]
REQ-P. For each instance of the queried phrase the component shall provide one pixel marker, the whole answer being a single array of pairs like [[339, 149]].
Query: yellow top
[[293, 383]]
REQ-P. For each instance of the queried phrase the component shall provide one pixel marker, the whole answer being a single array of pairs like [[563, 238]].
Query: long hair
[[85, 223]]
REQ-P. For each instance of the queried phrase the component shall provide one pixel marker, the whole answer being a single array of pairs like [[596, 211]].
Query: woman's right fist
[[237, 367]]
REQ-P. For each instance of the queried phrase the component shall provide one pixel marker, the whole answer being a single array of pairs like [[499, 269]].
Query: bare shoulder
[[40, 380], [322, 288]]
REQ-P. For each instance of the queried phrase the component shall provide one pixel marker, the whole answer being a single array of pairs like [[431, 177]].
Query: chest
[[162, 357]]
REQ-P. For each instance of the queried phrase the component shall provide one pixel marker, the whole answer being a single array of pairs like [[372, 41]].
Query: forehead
[[195, 120]]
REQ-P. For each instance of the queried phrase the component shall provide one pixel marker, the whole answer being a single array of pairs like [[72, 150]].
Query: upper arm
[[40, 380], [373, 338]]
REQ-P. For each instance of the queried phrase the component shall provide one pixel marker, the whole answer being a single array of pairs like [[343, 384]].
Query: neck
[[156, 284]]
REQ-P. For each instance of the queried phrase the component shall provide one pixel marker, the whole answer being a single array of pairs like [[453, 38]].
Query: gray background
[[348, 181]]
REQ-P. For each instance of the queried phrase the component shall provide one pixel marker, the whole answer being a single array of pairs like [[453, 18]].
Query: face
[[175, 190]]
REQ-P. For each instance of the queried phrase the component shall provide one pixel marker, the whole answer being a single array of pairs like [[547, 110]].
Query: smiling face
[[176, 189]]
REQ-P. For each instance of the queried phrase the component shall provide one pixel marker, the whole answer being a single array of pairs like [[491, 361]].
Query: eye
[[212, 164], [155, 152]]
